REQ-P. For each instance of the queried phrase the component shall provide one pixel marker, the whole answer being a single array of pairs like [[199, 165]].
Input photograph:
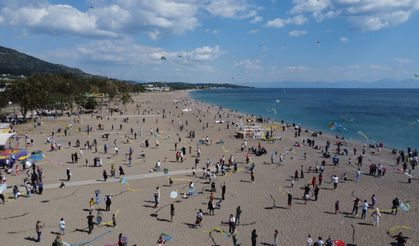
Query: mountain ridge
[[16, 63]]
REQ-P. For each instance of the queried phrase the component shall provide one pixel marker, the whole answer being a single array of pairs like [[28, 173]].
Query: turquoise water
[[390, 116]]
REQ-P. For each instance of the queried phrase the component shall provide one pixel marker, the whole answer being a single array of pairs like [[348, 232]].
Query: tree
[[126, 98], [90, 103]]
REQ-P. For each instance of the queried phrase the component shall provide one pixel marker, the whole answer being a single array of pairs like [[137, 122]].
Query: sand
[[142, 224]]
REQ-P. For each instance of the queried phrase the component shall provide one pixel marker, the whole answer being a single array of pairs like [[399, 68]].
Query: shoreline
[[325, 132], [271, 121]]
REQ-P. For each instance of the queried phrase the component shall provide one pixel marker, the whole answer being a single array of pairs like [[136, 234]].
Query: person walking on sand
[[373, 201], [114, 220], [252, 176], [376, 215], [337, 207], [108, 202], [254, 237], [61, 225], [395, 206], [364, 209], [211, 208], [92, 204], [309, 240], [289, 200], [238, 215], [172, 211], [355, 207], [223, 191], [121, 171], [276, 238], [320, 242], [316, 193], [68, 172], [113, 170], [358, 175], [38, 227], [313, 182], [231, 223], [105, 175], [90, 224], [157, 197], [199, 216], [329, 241]]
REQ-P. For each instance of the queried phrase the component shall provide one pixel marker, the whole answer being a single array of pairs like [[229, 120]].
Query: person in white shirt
[[309, 240], [364, 209], [320, 242], [376, 215], [158, 164], [62, 226], [231, 223]]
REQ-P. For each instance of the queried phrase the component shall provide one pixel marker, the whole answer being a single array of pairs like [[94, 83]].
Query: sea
[[388, 116]]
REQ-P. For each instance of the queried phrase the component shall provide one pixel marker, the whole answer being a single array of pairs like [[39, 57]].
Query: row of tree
[[51, 91]]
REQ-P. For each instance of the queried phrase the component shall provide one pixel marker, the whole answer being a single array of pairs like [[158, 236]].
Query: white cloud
[[120, 18], [402, 61], [344, 39], [204, 53], [153, 35], [377, 22], [297, 33], [253, 31], [231, 8], [256, 19], [314, 6], [367, 15], [55, 19], [276, 23], [280, 23], [298, 20], [248, 64], [1, 19], [129, 52]]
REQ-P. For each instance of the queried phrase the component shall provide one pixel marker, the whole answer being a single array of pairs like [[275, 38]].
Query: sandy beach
[[160, 117]]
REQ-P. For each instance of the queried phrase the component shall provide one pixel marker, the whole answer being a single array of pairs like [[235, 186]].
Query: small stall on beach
[[5, 128], [254, 132]]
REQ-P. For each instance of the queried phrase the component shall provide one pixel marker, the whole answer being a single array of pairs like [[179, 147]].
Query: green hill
[[15, 63]]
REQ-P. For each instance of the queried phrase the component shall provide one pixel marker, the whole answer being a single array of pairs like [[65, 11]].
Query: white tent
[[4, 138]]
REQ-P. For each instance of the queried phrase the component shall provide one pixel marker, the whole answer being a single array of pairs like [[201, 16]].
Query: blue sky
[[236, 41]]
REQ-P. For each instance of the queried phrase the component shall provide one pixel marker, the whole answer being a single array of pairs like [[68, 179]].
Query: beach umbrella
[[173, 194]]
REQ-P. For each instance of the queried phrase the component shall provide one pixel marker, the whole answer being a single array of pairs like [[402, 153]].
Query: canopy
[[4, 137], [4, 127]]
